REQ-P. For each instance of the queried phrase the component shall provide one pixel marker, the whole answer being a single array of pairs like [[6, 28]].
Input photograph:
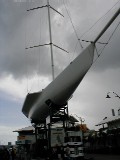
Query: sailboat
[[59, 91]]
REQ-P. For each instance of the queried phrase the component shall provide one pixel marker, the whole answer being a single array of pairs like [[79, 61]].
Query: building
[[109, 136], [113, 123], [25, 136]]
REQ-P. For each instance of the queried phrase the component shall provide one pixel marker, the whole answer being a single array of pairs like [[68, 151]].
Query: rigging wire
[[26, 50], [99, 19], [29, 87], [72, 23], [62, 10], [39, 52], [106, 43]]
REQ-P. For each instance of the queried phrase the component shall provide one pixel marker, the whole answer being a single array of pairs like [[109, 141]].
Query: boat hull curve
[[61, 89]]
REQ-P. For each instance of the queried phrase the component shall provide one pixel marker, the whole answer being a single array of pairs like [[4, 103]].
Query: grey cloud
[[16, 23]]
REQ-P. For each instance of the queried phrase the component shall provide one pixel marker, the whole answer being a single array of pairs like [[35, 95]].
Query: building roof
[[26, 129], [109, 119]]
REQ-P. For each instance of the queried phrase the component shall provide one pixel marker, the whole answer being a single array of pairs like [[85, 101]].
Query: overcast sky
[[23, 71]]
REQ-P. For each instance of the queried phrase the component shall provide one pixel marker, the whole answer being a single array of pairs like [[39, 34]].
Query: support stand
[[43, 130]]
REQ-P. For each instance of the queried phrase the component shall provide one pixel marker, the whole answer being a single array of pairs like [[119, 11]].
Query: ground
[[102, 157]]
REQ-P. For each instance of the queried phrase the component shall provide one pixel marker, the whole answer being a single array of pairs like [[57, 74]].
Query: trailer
[[74, 141]]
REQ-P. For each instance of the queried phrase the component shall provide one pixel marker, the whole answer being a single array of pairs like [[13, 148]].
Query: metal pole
[[51, 45], [36, 133], [67, 115], [49, 128]]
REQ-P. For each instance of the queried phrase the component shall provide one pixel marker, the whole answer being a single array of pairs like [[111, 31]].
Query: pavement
[[95, 157], [102, 157]]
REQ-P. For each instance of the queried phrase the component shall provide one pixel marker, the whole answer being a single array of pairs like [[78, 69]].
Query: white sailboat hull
[[61, 89]]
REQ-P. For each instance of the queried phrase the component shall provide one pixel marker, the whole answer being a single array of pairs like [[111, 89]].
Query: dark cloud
[[20, 29], [14, 59]]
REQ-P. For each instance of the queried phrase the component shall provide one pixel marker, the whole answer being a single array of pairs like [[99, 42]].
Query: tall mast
[[50, 35], [51, 45]]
